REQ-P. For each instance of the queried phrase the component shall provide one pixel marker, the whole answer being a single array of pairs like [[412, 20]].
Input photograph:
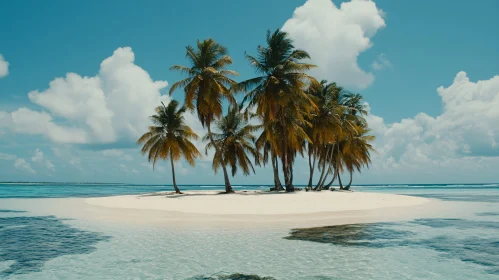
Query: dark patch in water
[[487, 214], [462, 197], [368, 235], [31, 241], [11, 211], [475, 249], [234, 276], [456, 223]]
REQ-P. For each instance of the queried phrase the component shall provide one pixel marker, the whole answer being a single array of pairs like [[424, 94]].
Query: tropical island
[[285, 113]]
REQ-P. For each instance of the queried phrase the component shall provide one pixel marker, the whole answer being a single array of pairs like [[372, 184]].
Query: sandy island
[[260, 208], [244, 209], [258, 202]]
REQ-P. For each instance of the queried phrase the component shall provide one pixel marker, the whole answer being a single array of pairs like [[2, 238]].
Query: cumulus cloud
[[4, 67], [112, 106], [37, 156], [50, 166], [465, 134], [335, 37], [23, 165], [381, 62]]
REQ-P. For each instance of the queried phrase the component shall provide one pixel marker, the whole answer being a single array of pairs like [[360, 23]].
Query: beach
[[390, 232], [259, 202]]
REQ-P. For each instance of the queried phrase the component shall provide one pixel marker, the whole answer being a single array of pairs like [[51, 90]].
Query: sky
[[78, 81]]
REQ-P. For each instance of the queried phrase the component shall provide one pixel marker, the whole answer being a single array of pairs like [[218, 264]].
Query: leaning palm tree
[[326, 126], [169, 137], [207, 84], [234, 141], [278, 93], [357, 152]]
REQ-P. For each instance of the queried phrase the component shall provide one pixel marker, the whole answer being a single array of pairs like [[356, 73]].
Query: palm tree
[[354, 127], [325, 127], [234, 141], [357, 152], [169, 137], [207, 84], [279, 94]]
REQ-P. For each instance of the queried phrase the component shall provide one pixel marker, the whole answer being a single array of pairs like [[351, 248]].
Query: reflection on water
[[31, 241], [471, 247]]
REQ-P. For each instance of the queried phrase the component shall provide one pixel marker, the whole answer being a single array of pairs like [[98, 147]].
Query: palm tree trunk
[[275, 167], [332, 180], [173, 175], [338, 165], [311, 166], [228, 187], [321, 178], [288, 181], [349, 183]]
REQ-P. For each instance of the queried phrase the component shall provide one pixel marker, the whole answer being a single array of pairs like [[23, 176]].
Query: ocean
[[37, 245]]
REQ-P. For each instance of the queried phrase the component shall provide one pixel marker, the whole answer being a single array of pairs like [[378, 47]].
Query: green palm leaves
[[280, 98], [169, 137], [235, 141], [298, 115]]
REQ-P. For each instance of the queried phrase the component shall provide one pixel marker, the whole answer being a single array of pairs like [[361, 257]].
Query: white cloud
[[335, 37], [463, 137], [4, 67], [113, 153], [37, 156], [22, 164], [109, 107], [27, 121], [4, 156], [381, 62], [49, 165]]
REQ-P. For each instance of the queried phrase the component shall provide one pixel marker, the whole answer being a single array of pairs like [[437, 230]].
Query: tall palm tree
[[169, 137], [357, 152], [325, 127], [354, 128], [278, 93], [207, 84], [234, 141]]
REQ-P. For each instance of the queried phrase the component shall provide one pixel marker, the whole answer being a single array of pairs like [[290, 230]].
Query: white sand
[[250, 210], [258, 202]]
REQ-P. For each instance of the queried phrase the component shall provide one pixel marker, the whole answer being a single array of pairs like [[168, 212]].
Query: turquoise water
[[59, 190], [463, 245]]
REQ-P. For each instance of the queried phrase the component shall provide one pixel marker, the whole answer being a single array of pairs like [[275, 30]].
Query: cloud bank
[[335, 37], [464, 137], [109, 107]]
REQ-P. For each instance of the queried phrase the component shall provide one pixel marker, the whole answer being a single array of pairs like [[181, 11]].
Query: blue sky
[[396, 53]]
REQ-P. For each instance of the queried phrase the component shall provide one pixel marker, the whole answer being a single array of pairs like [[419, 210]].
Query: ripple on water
[[480, 250], [31, 241]]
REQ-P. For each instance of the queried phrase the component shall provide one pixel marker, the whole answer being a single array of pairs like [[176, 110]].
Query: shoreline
[[257, 202], [282, 211]]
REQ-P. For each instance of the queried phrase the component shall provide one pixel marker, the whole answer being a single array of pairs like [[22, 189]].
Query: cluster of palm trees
[[296, 115]]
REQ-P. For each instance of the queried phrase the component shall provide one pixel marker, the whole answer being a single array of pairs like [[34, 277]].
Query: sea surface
[[461, 245]]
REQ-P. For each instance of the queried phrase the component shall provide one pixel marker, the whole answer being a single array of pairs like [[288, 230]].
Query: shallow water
[[461, 246]]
